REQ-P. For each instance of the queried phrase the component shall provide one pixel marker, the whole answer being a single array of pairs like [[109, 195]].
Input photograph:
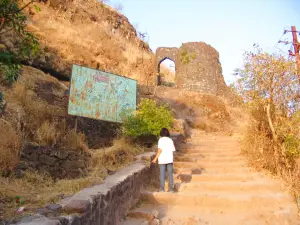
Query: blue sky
[[230, 26]]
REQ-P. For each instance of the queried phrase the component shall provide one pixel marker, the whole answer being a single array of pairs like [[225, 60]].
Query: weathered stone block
[[54, 207], [47, 160], [77, 206]]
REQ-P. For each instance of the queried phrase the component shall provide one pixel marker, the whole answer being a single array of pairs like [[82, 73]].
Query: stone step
[[212, 170], [193, 157], [176, 212], [208, 146], [211, 164], [210, 153], [133, 221], [232, 201], [148, 211], [259, 186], [220, 177], [279, 216]]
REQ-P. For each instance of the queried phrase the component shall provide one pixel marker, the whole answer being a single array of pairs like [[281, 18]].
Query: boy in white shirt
[[165, 159]]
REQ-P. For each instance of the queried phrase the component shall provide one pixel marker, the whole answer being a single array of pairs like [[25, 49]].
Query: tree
[[12, 19], [270, 87], [269, 79]]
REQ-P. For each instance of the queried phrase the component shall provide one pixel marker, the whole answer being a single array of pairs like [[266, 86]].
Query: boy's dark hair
[[164, 132]]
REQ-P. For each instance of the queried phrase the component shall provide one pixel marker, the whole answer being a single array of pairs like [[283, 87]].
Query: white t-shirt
[[167, 148]]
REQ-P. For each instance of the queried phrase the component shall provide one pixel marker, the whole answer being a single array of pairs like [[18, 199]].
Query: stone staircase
[[215, 186]]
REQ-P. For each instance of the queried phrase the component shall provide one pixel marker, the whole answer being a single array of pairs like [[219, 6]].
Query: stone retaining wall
[[103, 204], [58, 163]]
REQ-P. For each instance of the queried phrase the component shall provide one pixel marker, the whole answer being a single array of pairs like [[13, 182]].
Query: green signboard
[[99, 95]]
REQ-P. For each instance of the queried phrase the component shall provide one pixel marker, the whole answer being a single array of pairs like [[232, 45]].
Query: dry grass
[[10, 144], [35, 116], [169, 76], [210, 105], [73, 140], [258, 146], [115, 157], [77, 40], [39, 190], [47, 134], [203, 111]]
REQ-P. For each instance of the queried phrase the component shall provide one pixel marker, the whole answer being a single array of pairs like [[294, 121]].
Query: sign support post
[[76, 123]]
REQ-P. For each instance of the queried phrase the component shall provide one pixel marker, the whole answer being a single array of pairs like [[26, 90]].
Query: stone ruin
[[197, 67]]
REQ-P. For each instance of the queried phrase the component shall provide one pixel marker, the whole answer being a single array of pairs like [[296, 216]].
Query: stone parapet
[[103, 204]]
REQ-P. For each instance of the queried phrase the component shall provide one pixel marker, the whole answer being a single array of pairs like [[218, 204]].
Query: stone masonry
[[197, 67], [58, 163], [102, 204]]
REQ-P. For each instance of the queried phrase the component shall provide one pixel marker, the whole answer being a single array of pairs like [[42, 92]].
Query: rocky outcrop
[[58, 164]]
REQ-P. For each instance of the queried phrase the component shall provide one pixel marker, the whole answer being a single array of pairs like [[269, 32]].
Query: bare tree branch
[[2, 23]]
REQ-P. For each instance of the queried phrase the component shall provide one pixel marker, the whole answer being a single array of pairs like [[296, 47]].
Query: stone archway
[[161, 55], [198, 67], [166, 75]]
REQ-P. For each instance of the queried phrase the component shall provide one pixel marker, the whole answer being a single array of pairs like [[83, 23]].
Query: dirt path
[[216, 187]]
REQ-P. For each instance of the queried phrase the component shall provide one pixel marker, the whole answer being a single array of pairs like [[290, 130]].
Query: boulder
[[197, 122], [179, 125]]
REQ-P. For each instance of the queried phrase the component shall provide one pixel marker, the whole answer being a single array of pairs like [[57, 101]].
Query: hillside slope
[[86, 32]]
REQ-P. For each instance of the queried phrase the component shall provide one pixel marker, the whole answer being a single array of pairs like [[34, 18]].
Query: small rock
[[62, 220], [110, 172], [19, 174], [47, 160], [44, 212], [61, 196], [154, 222], [155, 213], [166, 221], [69, 165], [20, 210], [77, 206], [197, 171], [60, 154], [54, 207], [22, 166], [179, 125], [1, 206], [177, 187], [185, 178]]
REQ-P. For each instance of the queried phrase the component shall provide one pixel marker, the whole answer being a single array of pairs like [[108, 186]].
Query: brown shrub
[[10, 144], [115, 157], [37, 114], [47, 134], [73, 141], [260, 148]]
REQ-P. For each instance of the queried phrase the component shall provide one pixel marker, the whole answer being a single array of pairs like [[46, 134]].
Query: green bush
[[147, 120], [186, 58], [292, 145]]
